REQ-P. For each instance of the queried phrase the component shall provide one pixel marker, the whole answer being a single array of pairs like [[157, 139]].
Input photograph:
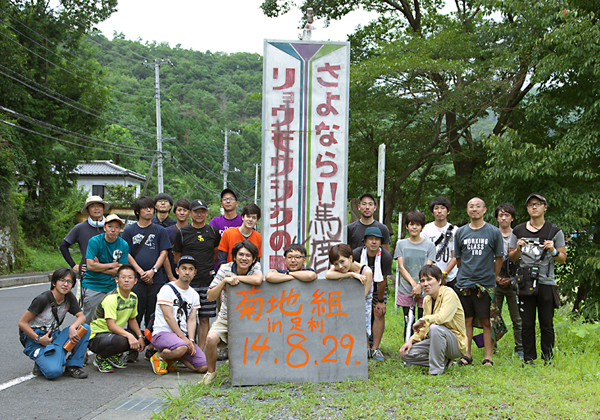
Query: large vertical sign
[[305, 148]]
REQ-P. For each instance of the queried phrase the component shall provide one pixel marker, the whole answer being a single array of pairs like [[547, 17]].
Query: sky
[[226, 25]]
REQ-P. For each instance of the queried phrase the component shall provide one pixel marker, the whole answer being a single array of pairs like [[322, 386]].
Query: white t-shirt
[[433, 233], [166, 296]]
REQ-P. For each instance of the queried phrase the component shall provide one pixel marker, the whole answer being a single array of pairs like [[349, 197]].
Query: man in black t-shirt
[[200, 241], [356, 230], [379, 260]]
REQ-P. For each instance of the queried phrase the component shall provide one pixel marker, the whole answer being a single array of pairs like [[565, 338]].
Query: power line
[[69, 132], [58, 55], [121, 124], [70, 72], [69, 142], [91, 38]]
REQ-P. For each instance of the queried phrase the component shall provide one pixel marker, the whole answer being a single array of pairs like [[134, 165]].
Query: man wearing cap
[[162, 204], [538, 245], [356, 230], [104, 255], [200, 241], [379, 260], [94, 207], [175, 323]]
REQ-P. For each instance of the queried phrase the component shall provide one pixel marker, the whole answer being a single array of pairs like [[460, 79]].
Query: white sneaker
[[209, 377]]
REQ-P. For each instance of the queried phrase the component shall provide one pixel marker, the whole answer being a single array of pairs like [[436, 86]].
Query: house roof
[[106, 168]]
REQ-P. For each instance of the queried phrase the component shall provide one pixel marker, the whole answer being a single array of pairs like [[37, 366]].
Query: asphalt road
[[64, 397]]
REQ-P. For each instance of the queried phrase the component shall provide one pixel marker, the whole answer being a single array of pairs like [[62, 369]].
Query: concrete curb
[[24, 279]]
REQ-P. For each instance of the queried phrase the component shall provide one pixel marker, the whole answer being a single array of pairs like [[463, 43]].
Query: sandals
[[465, 361], [487, 362]]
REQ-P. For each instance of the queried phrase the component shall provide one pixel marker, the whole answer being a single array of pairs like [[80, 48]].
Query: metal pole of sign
[[381, 179], [398, 271]]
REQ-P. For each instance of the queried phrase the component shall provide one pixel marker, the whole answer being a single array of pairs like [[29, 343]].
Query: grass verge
[[566, 389]]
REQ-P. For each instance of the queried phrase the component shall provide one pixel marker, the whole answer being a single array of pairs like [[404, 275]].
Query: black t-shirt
[[356, 233], [40, 306], [146, 257], [200, 244]]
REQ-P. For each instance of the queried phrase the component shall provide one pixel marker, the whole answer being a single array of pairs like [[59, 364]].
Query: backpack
[[150, 324], [53, 306]]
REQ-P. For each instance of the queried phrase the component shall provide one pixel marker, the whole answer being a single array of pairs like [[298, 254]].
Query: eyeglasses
[[162, 201], [68, 281], [228, 199], [295, 257], [478, 206], [535, 205]]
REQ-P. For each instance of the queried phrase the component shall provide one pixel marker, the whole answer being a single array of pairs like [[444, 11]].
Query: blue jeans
[[52, 359]]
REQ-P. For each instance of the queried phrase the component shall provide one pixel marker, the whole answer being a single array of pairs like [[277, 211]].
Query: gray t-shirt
[[414, 257], [532, 251], [477, 250]]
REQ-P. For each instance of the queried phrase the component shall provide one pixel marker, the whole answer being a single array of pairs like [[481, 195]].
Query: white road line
[[16, 381], [25, 285]]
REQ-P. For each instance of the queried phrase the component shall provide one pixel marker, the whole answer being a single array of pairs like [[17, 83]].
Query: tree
[[446, 72], [555, 146], [49, 58]]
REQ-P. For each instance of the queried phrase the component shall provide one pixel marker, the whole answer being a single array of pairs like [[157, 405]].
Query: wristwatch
[[37, 339], [555, 253], [155, 270]]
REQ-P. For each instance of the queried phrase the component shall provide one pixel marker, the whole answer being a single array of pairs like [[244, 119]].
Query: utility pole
[[225, 170], [256, 183], [157, 63]]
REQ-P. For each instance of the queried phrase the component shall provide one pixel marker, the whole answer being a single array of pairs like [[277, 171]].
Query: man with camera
[[538, 245]]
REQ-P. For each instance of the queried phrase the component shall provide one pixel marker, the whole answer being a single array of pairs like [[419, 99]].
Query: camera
[[534, 273]]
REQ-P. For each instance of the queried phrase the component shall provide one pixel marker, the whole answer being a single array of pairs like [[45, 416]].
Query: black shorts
[[473, 305], [375, 285], [208, 309]]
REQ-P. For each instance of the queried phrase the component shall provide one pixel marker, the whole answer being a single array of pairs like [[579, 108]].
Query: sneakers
[[117, 361], [132, 356], [159, 366], [35, 371], [223, 354], [75, 372], [369, 353], [103, 365], [529, 363], [209, 377], [149, 353], [377, 355], [171, 364]]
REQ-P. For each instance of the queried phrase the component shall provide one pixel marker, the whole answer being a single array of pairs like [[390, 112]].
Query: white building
[[94, 176]]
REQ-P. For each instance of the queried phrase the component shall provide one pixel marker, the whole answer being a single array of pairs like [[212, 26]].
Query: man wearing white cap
[[105, 254], [94, 207]]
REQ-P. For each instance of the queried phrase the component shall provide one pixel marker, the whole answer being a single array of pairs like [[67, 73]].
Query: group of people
[[459, 278], [168, 274]]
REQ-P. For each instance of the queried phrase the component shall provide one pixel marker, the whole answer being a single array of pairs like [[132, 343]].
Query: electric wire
[[68, 142], [121, 124], [70, 72], [92, 36], [72, 133]]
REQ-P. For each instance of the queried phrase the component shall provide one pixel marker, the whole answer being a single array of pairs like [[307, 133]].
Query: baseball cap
[[198, 204], [538, 196], [228, 191], [113, 218], [187, 259]]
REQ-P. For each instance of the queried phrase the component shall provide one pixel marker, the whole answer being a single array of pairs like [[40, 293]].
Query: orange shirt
[[233, 235]]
